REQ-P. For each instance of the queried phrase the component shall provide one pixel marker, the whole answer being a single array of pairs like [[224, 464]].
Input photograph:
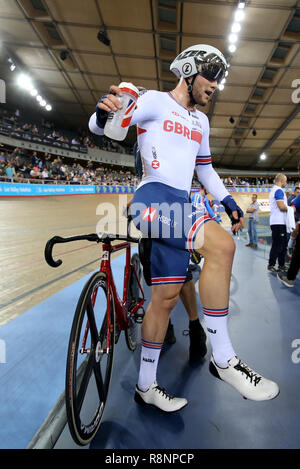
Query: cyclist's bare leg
[[148, 392], [218, 251], [155, 322], [214, 287]]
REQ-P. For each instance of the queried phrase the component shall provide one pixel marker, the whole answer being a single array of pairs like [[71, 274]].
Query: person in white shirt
[[278, 209]]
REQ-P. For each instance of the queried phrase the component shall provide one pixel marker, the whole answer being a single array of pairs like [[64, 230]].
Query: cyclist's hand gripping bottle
[[118, 122]]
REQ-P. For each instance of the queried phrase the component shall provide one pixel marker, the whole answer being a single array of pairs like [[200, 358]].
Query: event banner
[[14, 189], [257, 190], [246, 190], [264, 205]]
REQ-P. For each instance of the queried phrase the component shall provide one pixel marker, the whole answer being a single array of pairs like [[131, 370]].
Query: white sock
[[216, 324], [149, 361]]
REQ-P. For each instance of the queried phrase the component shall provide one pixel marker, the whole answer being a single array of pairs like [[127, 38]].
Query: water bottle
[[118, 122]]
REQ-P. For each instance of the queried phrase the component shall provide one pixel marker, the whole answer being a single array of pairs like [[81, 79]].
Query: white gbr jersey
[[173, 141], [170, 138]]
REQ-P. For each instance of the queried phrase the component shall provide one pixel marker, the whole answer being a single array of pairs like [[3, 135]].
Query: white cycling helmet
[[203, 59]]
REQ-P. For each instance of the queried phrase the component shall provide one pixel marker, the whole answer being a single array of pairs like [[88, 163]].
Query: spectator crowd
[[249, 181], [22, 165], [46, 130]]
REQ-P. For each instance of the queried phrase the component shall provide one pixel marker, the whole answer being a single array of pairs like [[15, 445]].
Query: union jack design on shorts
[[164, 280], [194, 230]]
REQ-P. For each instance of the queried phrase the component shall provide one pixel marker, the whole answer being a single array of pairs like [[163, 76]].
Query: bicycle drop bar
[[93, 237]]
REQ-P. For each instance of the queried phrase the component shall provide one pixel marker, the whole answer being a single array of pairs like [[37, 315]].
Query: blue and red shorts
[[165, 216]]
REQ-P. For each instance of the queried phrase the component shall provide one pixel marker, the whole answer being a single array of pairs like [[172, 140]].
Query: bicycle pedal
[[139, 316]]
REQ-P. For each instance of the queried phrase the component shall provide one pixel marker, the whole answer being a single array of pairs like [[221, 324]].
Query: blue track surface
[[33, 376], [264, 322]]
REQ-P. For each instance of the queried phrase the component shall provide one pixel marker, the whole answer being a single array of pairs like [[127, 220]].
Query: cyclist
[[175, 134], [197, 349]]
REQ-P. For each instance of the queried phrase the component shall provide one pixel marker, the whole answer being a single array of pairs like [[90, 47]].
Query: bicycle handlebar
[[93, 237]]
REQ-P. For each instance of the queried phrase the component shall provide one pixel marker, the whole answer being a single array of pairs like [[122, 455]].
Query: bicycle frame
[[108, 316], [121, 306]]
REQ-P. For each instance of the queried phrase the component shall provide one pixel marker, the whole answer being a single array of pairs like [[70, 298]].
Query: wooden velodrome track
[[25, 226], [26, 223]]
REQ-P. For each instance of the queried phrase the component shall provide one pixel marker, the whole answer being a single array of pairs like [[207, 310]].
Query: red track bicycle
[[99, 318]]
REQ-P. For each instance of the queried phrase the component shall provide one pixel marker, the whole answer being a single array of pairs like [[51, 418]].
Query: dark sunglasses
[[212, 71]]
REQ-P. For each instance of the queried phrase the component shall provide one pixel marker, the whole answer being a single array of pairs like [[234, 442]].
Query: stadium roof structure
[[75, 49]]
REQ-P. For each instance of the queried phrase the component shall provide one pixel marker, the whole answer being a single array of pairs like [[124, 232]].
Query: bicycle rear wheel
[[134, 294], [89, 360]]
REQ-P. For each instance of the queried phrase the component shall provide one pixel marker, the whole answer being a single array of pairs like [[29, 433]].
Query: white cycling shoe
[[250, 384], [157, 397]]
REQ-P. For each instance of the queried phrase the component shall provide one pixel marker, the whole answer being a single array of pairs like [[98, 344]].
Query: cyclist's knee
[[220, 248], [225, 248], [165, 298], [229, 246], [169, 303]]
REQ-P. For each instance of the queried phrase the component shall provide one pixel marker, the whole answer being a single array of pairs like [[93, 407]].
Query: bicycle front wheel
[[90, 359]]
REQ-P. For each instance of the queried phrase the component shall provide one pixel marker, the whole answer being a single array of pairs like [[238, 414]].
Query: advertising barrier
[[264, 205], [15, 189], [239, 190], [257, 190], [114, 189]]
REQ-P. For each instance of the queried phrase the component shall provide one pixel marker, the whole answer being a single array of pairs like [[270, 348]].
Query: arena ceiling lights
[[24, 82], [233, 37]]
